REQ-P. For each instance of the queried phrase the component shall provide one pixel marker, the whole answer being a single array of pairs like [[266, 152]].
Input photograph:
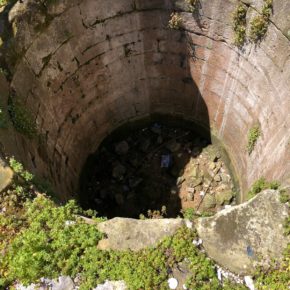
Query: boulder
[[133, 234], [243, 236]]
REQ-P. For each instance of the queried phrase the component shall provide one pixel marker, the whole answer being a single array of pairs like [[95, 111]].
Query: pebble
[[172, 283]]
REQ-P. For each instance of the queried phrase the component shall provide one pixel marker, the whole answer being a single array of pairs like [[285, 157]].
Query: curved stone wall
[[85, 67]]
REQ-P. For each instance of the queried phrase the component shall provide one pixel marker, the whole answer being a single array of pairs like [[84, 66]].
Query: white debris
[[112, 285], [219, 274], [202, 193], [197, 242], [222, 273], [184, 287], [21, 287], [188, 224], [172, 283], [249, 282], [69, 223]]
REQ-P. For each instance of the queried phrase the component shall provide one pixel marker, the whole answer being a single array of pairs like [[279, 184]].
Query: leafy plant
[[17, 167], [49, 244], [54, 241], [277, 277], [284, 196], [192, 5], [175, 21], [260, 185], [3, 119], [239, 25], [253, 136], [259, 24], [22, 119], [189, 213]]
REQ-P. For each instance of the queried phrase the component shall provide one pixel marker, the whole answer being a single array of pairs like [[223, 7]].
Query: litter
[[250, 251], [249, 282], [202, 193], [219, 274], [188, 224], [172, 283], [197, 242], [165, 161]]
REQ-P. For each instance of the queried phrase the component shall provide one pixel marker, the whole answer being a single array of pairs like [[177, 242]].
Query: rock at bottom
[[247, 235]]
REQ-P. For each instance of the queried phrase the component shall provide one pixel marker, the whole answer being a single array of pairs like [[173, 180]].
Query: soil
[[157, 170]]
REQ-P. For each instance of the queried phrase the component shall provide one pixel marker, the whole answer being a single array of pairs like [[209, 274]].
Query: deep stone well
[[85, 67]]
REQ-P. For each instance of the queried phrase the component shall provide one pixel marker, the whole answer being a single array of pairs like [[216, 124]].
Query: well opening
[[157, 168]]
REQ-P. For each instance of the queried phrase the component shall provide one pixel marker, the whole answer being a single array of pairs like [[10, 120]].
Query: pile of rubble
[[157, 167]]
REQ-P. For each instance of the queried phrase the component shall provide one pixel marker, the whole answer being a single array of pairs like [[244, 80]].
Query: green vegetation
[[3, 119], [284, 195], [260, 23], [22, 119], [53, 240], [253, 136], [2, 70], [192, 5], [175, 21], [240, 25], [3, 2], [260, 185], [40, 239], [191, 214], [277, 277], [17, 167]]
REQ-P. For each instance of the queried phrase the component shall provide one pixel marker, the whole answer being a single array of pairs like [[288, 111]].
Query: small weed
[[253, 135], [3, 119], [154, 214], [192, 5], [260, 185], [3, 72], [284, 195], [240, 25], [189, 213], [260, 23], [17, 167], [175, 21], [22, 119]]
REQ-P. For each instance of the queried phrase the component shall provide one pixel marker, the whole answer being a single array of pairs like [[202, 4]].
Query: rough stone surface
[[6, 175], [124, 233], [112, 285], [98, 64], [237, 237], [62, 283]]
